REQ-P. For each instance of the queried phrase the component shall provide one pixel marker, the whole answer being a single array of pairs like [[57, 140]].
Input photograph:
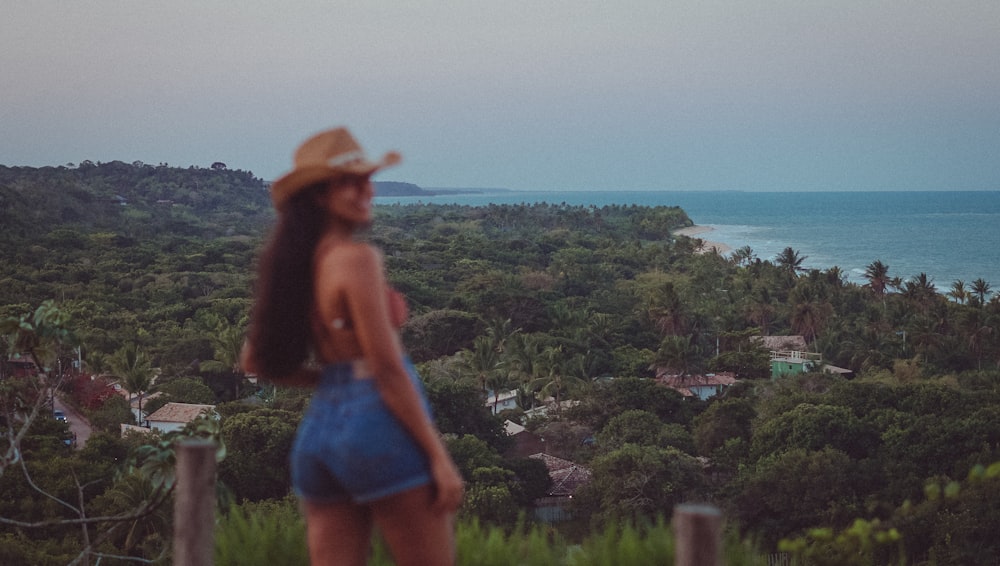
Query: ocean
[[947, 235]]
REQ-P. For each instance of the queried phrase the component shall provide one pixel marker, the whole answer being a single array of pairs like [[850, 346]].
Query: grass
[[274, 533]]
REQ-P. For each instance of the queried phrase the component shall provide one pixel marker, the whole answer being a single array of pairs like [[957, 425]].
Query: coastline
[[949, 235], [706, 245]]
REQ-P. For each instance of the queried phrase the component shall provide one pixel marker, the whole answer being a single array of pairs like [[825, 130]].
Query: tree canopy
[[138, 270]]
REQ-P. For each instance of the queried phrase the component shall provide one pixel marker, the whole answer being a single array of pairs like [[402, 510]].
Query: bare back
[[353, 304]]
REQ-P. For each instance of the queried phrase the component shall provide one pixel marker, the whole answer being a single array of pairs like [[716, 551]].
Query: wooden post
[[697, 535], [194, 504]]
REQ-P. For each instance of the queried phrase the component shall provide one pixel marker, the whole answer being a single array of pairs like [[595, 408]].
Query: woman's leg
[[339, 533], [416, 535]]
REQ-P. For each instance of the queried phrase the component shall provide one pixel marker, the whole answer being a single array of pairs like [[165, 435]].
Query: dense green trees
[[134, 369], [637, 482], [580, 304], [258, 443]]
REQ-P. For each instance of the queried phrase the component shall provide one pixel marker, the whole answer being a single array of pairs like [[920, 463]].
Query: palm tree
[[500, 331], [921, 291], [790, 260], [869, 349], [227, 341], [978, 328], [980, 288], [836, 276], [678, 355], [924, 334], [559, 374], [958, 292], [809, 317], [668, 311], [526, 357], [743, 256], [896, 283], [448, 368], [138, 495], [524, 354], [877, 274], [499, 381], [482, 360], [135, 369], [760, 311]]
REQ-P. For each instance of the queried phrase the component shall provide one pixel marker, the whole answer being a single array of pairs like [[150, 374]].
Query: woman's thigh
[[338, 533], [416, 535]]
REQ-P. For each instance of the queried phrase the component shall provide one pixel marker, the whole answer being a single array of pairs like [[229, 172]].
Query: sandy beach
[[706, 245]]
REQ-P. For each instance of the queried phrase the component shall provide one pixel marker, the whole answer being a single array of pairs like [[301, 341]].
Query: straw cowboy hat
[[325, 156]]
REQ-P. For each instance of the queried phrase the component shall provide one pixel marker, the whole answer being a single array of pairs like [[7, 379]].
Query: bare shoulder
[[354, 257]]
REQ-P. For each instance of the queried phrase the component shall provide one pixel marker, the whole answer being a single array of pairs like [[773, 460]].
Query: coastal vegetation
[[141, 276]]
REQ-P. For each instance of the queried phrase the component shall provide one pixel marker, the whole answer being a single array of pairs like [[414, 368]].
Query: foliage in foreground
[[274, 532], [960, 539]]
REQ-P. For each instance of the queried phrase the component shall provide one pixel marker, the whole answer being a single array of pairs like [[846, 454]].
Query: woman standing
[[366, 453]]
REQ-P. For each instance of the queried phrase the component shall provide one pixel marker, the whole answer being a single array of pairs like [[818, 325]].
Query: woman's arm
[[362, 278]]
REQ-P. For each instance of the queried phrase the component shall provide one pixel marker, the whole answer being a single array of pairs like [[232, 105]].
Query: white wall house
[[506, 400], [173, 416]]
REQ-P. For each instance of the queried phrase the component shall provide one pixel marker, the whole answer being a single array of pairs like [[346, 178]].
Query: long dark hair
[[280, 327]]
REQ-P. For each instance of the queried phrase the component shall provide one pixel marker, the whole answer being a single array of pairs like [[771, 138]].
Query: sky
[[753, 95]]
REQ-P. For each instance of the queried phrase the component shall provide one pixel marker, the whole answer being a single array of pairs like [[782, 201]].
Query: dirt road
[[78, 425]]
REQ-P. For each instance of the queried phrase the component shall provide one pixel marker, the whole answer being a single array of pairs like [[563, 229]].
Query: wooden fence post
[[194, 503], [697, 535]]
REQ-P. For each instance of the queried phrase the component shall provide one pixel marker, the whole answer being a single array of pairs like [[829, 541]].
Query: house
[[501, 402], [702, 386], [567, 477], [789, 356], [526, 442], [134, 400], [794, 362], [173, 416], [549, 405], [22, 365]]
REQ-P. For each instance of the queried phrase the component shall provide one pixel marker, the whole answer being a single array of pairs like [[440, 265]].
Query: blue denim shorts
[[350, 447]]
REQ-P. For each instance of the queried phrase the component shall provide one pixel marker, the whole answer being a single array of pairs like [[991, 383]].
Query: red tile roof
[[566, 476], [684, 383]]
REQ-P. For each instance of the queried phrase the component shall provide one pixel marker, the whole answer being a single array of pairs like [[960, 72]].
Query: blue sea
[[947, 235]]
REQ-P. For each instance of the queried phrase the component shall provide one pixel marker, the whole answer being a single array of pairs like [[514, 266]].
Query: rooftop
[[566, 476], [180, 412]]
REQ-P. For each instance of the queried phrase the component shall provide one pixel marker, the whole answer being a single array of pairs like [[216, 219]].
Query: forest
[[138, 277]]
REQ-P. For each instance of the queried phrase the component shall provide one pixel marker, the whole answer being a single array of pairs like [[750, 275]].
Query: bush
[[263, 534]]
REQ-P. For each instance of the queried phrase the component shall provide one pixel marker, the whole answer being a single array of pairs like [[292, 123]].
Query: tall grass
[[274, 533], [482, 545], [626, 544], [261, 534]]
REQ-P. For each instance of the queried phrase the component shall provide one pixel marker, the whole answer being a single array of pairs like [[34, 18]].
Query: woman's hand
[[399, 311], [448, 485], [246, 359]]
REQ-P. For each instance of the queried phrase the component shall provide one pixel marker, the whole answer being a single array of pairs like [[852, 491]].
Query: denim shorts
[[350, 447]]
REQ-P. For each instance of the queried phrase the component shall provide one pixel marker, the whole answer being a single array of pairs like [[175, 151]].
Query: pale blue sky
[[520, 94]]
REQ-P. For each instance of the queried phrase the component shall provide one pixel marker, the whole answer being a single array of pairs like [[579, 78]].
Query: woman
[[366, 453]]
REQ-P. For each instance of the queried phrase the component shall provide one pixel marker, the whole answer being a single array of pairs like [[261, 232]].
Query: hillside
[[135, 198], [136, 248], [205, 202]]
